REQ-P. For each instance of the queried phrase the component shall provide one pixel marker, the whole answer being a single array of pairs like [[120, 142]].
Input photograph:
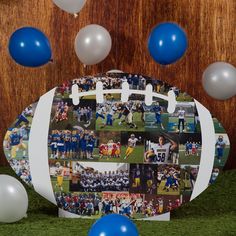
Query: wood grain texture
[[210, 25]]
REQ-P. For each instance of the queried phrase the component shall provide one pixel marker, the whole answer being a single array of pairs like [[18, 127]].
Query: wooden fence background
[[210, 25]]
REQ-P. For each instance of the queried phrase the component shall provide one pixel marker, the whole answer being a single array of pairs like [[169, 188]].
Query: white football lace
[[125, 92]]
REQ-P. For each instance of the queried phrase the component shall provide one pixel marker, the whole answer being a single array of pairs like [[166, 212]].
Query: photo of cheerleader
[[60, 173], [169, 178], [99, 177], [75, 144], [143, 178]]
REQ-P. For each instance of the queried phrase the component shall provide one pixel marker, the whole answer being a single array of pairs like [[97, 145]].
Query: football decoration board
[[117, 143]]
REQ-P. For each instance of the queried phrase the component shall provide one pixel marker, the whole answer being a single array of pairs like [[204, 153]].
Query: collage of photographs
[[118, 157]]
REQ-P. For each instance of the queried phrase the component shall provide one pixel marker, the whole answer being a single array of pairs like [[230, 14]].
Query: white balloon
[[219, 80], [93, 44], [115, 71], [13, 200], [70, 6]]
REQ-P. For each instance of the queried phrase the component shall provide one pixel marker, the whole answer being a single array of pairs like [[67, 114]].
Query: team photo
[[83, 204], [99, 177], [78, 144]]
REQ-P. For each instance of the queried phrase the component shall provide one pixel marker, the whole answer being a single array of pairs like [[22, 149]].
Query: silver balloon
[[114, 71], [13, 200], [219, 80], [70, 6], [93, 44]]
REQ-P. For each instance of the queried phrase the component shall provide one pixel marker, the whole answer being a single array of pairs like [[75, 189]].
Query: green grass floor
[[212, 213]]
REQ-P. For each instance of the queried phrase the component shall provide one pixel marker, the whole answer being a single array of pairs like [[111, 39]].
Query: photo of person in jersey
[[82, 204], [132, 147], [143, 178], [123, 203], [15, 143], [189, 175], [25, 118], [183, 119], [99, 177], [221, 149], [65, 115], [190, 146], [109, 146], [168, 179], [156, 205], [161, 148], [60, 173], [75, 144], [156, 116], [120, 116]]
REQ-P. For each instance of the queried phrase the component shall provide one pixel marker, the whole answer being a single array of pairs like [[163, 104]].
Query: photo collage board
[[118, 157]]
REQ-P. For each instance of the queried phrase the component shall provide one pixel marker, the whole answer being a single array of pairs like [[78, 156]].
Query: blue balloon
[[114, 225], [167, 43], [30, 47]]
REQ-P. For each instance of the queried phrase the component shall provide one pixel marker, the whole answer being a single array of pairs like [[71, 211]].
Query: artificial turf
[[212, 213]]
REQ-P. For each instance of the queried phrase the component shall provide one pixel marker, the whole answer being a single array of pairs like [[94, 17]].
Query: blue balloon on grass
[[114, 225], [167, 43], [30, 47]]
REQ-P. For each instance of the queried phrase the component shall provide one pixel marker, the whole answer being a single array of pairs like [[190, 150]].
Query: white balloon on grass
[[93, 44], [70, 6], [13, 200]]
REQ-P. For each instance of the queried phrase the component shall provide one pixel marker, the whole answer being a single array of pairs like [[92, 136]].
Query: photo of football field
[[162, 191], [71, 122], [150, 121], [136, 157], [19, 153], [188, 160], [174, 121], [65, 185], [122, 127], [224, 159]]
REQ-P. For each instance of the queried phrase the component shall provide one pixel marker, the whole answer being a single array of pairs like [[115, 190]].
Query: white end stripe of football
[[38, 147], [208, 150]]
